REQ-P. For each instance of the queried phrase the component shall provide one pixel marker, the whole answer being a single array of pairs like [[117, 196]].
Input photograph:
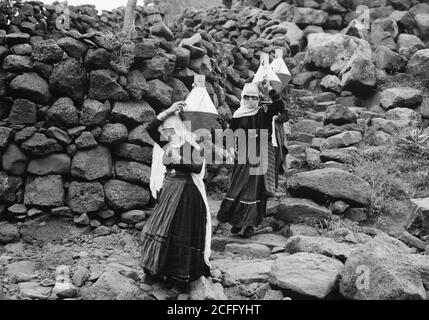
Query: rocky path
[[300, 262]]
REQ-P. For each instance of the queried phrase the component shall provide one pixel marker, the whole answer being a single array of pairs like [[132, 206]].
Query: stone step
[[270, 240]]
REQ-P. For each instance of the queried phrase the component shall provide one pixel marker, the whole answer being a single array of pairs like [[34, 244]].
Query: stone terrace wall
[[72, 116]]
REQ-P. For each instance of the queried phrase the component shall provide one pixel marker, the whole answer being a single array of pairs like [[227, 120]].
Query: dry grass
[[395, 172], [122, 54]]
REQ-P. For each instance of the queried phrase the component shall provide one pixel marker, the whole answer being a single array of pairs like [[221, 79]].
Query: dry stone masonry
[[74, 104]]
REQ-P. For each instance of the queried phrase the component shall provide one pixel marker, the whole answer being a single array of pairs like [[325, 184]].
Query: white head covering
[[249, 89]]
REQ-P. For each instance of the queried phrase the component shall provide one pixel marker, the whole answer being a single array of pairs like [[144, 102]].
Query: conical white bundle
[[265, 72], [280, 68], [200, 109]]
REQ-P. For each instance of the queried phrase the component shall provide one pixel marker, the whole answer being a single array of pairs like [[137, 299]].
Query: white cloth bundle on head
[[265, 72], [249, 89], [281, 69]]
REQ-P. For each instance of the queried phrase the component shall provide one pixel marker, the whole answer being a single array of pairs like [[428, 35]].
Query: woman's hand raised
[[176, 107]]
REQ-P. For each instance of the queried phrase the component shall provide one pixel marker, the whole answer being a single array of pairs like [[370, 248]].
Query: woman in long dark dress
[[174, 239], [245, 203]]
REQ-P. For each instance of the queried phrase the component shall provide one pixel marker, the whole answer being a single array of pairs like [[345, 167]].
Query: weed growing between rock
[[122, 56], [396, 171]]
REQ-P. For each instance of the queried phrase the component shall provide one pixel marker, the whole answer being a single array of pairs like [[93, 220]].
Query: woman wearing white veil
[[176, 238]]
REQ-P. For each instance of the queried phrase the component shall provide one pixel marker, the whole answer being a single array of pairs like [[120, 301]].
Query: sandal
[[236, 230], [248, 232]]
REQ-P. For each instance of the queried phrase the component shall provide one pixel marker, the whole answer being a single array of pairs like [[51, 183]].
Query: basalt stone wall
[[73, 109], [337, 55]]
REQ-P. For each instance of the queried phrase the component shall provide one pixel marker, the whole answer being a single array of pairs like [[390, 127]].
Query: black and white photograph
[[231, 152]]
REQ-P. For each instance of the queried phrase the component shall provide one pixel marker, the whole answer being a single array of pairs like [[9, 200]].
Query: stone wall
[[73, 108], [72, 114]]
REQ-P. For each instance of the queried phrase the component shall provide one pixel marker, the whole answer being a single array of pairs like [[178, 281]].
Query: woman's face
[[250, 102]]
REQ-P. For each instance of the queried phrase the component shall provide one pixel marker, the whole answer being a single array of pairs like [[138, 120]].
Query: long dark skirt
[[246, 200], [174, 236]]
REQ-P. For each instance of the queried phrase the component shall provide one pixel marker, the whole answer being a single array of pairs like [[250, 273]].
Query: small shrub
[[395, 172], [122, 52]]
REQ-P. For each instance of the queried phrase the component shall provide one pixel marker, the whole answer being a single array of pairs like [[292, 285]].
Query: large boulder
[[63, 113], [47, 51], [135, 84], [132, 112], [104, 86], [140, 136], [403, 114], [133, 172], [331, 183], [388, 60], [306, 274], [379, 271], [245, 271], [359, 76], [45, 191], [110, 286], [125, 196], [343, 155], [85, 197], [406, 40], [113, 133], [68, 79], [159, 29], [92, 164], [134, 152], [254, 250], [97, 59], [17, 38], [158, 67], [418, 65], [422, 22], [94, 113], [307, 126], [320, 245], [17, 64], [334, 51], [14, 161], [32, 87], [40, 145], [296, 210], [50, 165], [342, 140], [23, 112], [384, 33], [74, 48], [8, 233], [158, 94], [402, 97], [331, 83], [393, 127], [339, 115]]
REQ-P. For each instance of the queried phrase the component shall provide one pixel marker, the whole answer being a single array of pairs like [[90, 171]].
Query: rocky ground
[[75, 154], [297, 261]]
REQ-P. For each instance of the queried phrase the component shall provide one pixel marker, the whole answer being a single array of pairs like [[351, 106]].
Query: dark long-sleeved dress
[[173, 239], [246, 200]]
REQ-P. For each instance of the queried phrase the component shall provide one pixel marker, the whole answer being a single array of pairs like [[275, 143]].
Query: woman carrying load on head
[[245, 203], [176, 238]]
